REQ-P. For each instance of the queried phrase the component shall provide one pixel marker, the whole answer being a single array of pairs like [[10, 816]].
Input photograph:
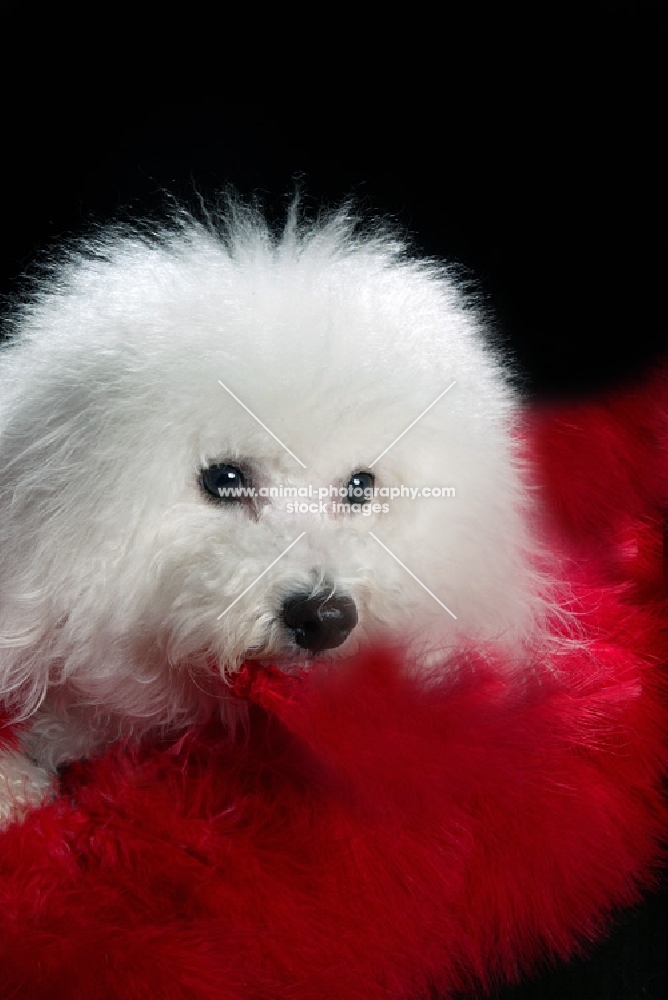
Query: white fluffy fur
[[113, 565]]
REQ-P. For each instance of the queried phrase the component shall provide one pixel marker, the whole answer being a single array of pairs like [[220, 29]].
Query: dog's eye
[[225, 482], [360, 486]]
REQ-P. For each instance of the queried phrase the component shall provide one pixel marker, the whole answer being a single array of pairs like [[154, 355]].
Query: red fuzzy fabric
[[370, 839]]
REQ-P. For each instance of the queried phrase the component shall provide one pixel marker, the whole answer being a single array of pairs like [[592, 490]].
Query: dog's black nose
[[320, 622]]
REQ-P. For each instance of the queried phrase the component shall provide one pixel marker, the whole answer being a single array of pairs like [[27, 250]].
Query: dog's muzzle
[[319, 622]]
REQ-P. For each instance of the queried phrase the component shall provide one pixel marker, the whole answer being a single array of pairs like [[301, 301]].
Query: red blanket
[[367, 838]]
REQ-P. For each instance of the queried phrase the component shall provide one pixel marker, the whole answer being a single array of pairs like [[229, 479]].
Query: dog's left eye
[[360, 486], [224, 482]]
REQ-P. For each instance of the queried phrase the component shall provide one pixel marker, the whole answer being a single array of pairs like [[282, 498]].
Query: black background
[[535, 160], [524, 144]]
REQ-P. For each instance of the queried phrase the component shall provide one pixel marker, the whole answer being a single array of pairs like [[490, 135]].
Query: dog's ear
[[24, 656]]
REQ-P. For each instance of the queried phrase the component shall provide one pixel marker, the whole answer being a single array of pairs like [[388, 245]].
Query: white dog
[[150, 374]]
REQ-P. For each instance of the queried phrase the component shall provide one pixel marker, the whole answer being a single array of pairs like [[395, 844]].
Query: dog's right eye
[[224, 482]]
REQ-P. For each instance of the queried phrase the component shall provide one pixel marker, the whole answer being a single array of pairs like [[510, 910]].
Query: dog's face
[[168, 376]]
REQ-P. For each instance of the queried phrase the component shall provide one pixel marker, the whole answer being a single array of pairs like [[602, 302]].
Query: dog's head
[[214, 447]]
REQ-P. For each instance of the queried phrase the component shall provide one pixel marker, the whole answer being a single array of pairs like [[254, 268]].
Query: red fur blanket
[[369, 839]]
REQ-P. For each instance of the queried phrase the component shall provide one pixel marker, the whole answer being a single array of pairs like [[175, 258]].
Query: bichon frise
[[219, 444]]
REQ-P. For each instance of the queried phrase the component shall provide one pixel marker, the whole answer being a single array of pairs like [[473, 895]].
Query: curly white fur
[[115, 567]]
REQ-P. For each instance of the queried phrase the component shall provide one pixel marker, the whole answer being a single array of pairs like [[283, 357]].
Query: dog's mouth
[[257, 677], [292, 664], [255, 665], [258, 671]]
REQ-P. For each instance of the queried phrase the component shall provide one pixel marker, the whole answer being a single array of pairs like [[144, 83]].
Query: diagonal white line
[[257, 578], [264, 425], [412, 425], [413, 575]]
